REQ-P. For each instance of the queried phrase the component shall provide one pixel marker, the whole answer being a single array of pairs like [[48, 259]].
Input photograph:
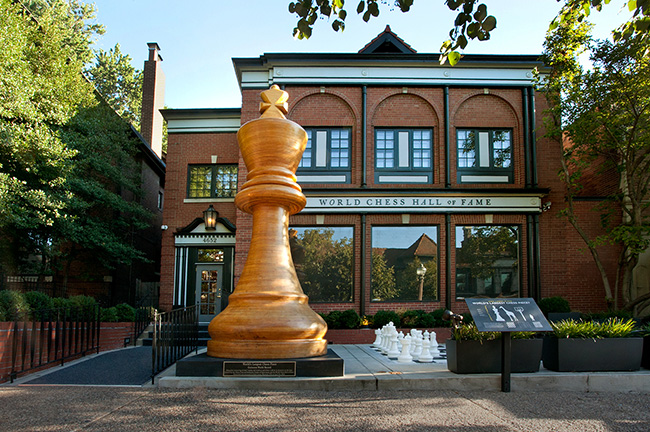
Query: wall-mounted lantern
[[210, 218]]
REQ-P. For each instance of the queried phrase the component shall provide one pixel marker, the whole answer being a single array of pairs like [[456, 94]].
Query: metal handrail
[[143, 318], [58, 335], [175, 335]]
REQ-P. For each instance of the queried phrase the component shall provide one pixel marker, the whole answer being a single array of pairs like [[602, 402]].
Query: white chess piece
[[393, 351], [404, 356], [385, 338], [425, 356], [377, 341], [435, 352], [418, 346], [414, 335]]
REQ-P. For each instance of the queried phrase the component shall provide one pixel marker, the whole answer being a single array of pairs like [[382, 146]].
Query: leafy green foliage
[[40, 304], [417, 319], [383, 279], [109, 314], [66, 165], [438, 321], [554, 304], [349, 319], [125, 312], [13, 305], [383, 317], [119, 83], [471, 22], [325, 266], [602, 118], [614, 328], [470, 332]]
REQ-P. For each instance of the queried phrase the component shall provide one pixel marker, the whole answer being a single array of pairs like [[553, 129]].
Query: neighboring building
[[408, 163]]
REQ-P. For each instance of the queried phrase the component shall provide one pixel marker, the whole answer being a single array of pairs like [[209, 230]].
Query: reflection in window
[[487, 261], [210, 255], [397, 254], [323, 259], [212, 181]]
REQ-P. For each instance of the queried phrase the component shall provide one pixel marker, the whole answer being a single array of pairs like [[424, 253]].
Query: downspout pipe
[[527, 132], [363, 287], [364, 138], [447, 144]]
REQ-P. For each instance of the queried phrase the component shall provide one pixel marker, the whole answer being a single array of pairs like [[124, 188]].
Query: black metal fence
[[53, 335], [175, 334]]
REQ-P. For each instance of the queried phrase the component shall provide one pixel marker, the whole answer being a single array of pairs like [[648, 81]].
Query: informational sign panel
[[507, 314], [259, 369]]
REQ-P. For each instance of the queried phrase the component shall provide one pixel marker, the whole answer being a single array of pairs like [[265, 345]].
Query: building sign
[[507, 315], [423, 204]]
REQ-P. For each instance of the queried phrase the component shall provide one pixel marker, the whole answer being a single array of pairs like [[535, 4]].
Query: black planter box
[[592, 355], [471, 357], [645, 359]]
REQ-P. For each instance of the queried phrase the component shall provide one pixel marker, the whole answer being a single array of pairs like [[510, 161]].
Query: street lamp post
[[421, 271]]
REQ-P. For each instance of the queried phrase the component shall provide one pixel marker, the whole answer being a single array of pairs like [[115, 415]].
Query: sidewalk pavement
[[367, 369], [401, 397]]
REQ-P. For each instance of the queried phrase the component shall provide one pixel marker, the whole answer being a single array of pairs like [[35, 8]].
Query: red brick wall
[[182, 151]]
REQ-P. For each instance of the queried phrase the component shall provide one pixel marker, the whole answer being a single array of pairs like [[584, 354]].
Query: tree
[[326, 274], [119, 83], [104, 185], [42, 50], [472, 21], [69, 182], [602, 118], [382, 279]]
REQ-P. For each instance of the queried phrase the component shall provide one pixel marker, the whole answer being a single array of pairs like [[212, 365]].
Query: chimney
[[153, 100]]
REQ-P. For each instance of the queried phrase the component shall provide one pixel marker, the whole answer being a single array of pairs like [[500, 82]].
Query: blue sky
[[198, 38]]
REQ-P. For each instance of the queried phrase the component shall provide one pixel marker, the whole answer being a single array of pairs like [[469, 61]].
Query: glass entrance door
[[209, 283]]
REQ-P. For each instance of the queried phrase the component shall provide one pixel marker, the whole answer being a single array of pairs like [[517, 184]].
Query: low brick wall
[[111, 336], [367, 336]]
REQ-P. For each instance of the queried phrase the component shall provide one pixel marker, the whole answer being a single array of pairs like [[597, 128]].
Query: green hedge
[[35, 305]]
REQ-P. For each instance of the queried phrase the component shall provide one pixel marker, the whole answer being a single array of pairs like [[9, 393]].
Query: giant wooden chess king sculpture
[[267, 315]]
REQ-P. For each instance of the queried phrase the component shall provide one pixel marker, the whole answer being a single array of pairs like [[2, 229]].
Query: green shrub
[[470, 332], [108, 315], [426, 320], [14, 305], [417, 319], [602, 316], [125, 312], [349, 319], [40, 305], [409, 318], [82, 307], [333, 319], [554, 305], [612, 328], [383, 317], [61, 303], [437, 317]]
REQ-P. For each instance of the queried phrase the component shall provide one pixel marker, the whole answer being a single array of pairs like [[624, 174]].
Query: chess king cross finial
[[274, 102]]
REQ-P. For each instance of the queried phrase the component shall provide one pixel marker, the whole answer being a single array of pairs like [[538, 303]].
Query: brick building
[[425, 184]]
